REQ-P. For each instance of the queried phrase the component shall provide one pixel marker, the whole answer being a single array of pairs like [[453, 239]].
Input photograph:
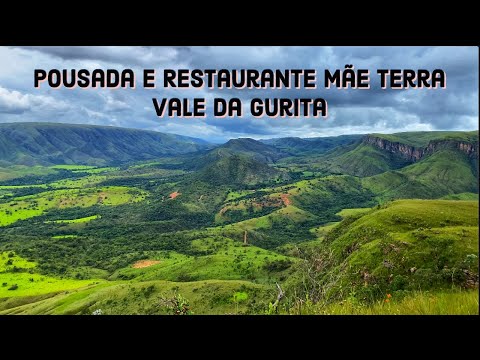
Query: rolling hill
[[239, 170], [407, 245], [238, 162], [244, 147], [443, 173], [51, 144]]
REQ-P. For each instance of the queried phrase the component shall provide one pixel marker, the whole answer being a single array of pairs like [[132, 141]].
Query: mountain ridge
[[413, 153], [301, 146], [378, 153], [54, 143]]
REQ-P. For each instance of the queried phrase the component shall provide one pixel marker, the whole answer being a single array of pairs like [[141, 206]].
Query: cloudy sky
[[350, 111]]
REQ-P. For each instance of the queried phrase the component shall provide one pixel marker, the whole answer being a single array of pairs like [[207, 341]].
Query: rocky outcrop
[[414, 154], [406, 151], [470, 149]]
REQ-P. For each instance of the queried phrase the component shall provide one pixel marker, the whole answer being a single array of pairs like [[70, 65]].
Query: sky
[[349, 111]]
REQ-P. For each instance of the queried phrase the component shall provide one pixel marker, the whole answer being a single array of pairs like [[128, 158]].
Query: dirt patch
[[174, 195], [285, 199], [101, 197], [145, 263], [223, 210]]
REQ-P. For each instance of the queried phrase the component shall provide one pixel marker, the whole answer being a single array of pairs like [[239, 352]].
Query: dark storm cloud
[[350, 111], [125, 55]]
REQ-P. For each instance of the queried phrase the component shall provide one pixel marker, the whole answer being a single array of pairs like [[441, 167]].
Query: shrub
[[177, 305], [277, 265]]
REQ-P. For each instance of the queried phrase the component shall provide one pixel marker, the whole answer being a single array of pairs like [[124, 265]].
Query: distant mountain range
[[412, 164], [53, 143]]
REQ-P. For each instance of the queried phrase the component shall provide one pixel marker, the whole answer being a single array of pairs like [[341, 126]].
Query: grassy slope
[[290, 213], [205, 297], [408, 245], [326, 196], [15, 270], [461, 196], [40, 294], [443, 173], [365, 160], [228, 260], [443, 303]]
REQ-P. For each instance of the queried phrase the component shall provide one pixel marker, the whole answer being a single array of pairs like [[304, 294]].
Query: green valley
[[142, 222]]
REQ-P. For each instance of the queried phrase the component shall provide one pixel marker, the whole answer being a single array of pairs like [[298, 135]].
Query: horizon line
[[227, 138]]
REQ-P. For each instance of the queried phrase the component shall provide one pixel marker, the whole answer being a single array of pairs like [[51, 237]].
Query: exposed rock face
[[406, 151], [414, 154]]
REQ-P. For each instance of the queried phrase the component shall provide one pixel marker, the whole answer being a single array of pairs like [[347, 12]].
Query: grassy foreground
[[139, 298], [448, 303]]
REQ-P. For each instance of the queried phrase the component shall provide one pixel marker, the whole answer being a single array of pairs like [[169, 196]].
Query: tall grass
[[420, 303]]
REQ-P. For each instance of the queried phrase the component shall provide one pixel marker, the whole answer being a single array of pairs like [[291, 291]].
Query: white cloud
[[94, 114], [15, 102], [127, 55], [112, 104]]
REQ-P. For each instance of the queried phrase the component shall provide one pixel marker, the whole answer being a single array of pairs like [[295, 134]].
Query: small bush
[[277, 265]]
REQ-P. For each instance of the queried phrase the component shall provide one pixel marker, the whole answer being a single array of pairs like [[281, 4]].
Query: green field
[[9, 260], [17, 279], [64, 237], [85, 168], [36, 284], [74, 221], [18, 171], [34, 205], [349, 212], [232, 195], [15, 187], [73, 167]]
